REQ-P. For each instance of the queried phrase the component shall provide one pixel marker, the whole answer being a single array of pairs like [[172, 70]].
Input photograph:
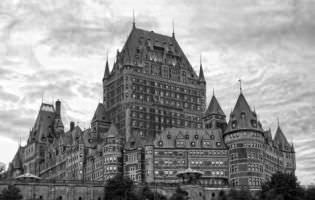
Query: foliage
[[11, 193], [282, 186], [146, 193], [179, 194], [120, 187], [310, 193]]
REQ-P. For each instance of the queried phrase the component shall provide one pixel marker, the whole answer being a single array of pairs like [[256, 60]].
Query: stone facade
[[58, 190], [152, 123]]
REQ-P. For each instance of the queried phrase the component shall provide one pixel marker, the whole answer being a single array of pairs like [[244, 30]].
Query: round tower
[[244, 137], [112, 153]]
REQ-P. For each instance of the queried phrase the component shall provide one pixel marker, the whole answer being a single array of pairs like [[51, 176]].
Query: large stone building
[[154, 122]]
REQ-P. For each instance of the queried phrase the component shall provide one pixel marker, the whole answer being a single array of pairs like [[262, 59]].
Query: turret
[[245, 139], [214, 116]]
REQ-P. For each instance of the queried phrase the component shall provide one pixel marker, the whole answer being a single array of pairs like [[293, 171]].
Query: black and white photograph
[[157, 100]]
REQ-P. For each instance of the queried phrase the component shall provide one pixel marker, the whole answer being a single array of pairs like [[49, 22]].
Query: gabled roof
[[100, 113], [242, 117], [214, 107]]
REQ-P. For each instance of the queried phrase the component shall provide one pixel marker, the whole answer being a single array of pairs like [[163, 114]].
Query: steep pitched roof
[[140, 39], [214, 107], [280, 138], [100, 113], [44, 120], [242, 117]]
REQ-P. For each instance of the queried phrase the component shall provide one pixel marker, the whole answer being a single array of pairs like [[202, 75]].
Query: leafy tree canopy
[[11, 193]]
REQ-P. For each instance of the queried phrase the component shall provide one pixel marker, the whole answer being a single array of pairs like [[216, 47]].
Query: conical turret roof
[[242, 117], [214, 107]]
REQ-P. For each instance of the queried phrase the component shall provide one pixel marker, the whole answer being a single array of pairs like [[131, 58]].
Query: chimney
[[71, 126], [58, 107]]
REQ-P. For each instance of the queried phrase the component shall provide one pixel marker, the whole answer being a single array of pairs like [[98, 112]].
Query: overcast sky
[[57, 49]]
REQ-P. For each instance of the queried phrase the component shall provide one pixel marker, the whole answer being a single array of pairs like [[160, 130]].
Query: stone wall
[[61, 190]]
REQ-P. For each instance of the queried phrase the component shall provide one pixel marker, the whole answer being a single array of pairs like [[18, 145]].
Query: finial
[[133, 19], [200, 59], [212, 91], [240, 80], [173, 26], [278, 121]]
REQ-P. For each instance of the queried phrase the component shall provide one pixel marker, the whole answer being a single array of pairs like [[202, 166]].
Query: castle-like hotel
[[153, 123]]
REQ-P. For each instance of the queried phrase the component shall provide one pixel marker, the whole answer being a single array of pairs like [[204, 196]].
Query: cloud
[[59, 48]]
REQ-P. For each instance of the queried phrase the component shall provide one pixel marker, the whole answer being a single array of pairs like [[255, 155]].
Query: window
[[160, 143], [196, 137], [193, 144]]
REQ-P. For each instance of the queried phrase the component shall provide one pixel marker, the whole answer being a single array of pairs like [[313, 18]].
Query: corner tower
[[214, 116], [244, 137]]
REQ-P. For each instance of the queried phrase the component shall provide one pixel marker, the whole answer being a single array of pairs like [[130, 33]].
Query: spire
[[106, 74], [201, 76], [173, 26], [240, 81], [133, 19]]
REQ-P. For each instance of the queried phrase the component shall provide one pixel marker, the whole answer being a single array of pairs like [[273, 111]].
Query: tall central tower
[[152, 86]]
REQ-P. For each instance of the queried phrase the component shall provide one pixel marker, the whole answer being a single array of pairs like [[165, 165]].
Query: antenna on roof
[[173, 26], [133, 19], [240, 80]]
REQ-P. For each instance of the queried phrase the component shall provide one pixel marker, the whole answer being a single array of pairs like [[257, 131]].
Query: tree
[[282, 186], [120, 188], [11, 193], [179, 194], [147, 194], [310, 193]]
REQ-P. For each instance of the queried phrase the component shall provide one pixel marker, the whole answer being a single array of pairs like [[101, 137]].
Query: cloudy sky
[[57, 49]]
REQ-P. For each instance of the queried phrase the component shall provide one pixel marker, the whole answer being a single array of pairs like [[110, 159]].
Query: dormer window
[[187, 137], [169, 136], [234, 123], [160, 143], [243, 115], [193, 144], [254, 123], [196, 137], [211, 137]]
